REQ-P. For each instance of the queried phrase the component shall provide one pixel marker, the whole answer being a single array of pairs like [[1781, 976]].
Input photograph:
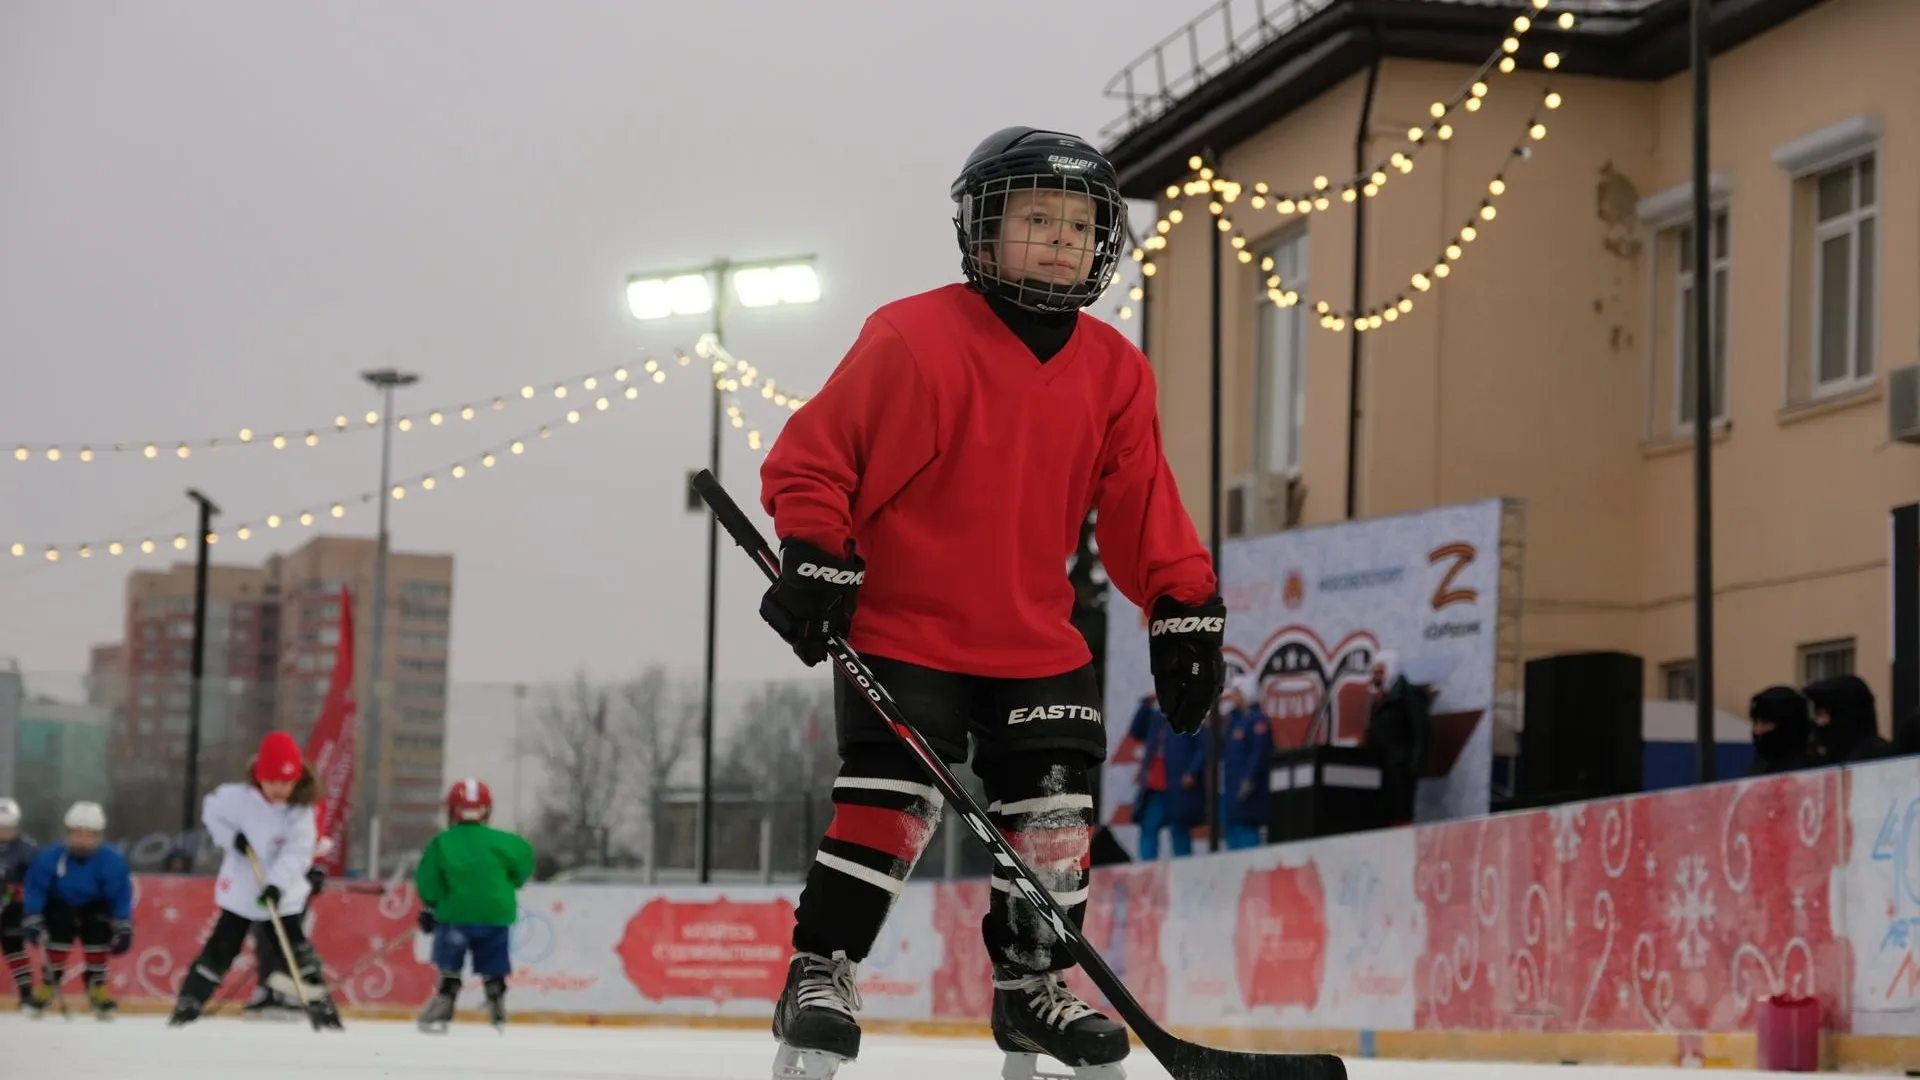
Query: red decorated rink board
[[1673, 912]]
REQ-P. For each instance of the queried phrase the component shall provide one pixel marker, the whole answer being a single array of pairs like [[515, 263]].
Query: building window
[[1280, 407], [1825, 660], [418, 666], [1679, 681], [425, 590], [1834, 258], [417, 742], [1684, 322]]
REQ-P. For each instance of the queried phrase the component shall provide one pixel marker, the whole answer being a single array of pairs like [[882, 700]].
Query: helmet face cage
[[1073, 221]]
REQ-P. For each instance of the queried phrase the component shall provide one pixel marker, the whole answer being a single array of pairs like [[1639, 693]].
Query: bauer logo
[[831, 576], [1054, 712], [1063, 162]]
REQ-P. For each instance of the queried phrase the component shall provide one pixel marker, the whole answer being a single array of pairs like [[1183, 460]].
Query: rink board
[[1643, 929]]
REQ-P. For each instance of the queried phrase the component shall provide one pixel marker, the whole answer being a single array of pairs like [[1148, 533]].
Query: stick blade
[[1191, 1061]]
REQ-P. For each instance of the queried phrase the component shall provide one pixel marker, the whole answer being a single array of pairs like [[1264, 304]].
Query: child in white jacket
[[271, 816]]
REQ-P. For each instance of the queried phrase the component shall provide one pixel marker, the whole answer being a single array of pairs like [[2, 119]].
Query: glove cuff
[[798, 556]]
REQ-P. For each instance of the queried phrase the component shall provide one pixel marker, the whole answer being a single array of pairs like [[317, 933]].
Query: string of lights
[[341, 425], [1378, 315], [1370, 181], [732, 376], [307, 515], [1225, 192]]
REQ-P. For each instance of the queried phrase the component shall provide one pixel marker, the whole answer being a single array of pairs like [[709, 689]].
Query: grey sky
[[214, 213]]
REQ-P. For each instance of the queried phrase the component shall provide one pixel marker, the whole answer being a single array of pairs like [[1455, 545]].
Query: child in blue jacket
[[1246, 800], [1172, 793], [80, 889]]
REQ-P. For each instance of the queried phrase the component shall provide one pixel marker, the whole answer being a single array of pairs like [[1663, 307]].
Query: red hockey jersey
[[961, 468]]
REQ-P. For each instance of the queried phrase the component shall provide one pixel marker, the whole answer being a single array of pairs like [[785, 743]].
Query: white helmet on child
[[9, 813], [86, 815]]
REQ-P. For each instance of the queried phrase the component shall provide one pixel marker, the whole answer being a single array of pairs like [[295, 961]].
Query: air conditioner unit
[[1903, 404], [1261, 503]]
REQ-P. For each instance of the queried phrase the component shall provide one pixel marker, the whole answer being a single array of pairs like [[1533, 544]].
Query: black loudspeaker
[[1581, 737]]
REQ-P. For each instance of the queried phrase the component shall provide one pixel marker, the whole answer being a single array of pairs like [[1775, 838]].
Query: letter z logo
[[829, 575]]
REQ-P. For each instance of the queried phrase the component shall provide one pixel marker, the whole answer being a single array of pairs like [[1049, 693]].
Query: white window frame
[[1822, 653], [1844, 144], [1683, 280], [1275, 321], [1859, 372], [1664, 214]]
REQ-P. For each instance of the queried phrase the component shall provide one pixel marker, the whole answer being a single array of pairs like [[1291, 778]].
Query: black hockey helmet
[[1018, 159]]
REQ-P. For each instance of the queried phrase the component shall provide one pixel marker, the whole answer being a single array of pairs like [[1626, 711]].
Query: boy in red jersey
[[940, 478]]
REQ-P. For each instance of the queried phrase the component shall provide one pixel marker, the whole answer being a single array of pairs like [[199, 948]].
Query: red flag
[[331, 750]]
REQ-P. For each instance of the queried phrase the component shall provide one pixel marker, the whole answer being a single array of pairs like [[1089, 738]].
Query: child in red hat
[[271, 816]]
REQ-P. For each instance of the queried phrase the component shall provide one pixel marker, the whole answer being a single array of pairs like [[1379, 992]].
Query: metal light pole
[[763, 283], [190, 798], [386, 380], [1702, 403]]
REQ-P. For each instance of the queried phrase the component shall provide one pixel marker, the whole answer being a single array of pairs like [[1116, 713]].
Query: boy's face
[[276, 790], [8, 832], [1045, 237], [82, 841]]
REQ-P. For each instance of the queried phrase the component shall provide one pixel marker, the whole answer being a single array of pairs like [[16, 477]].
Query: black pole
[[1702, 405], [1213, 526], [1359, 294], [713, 593], [190, 798]]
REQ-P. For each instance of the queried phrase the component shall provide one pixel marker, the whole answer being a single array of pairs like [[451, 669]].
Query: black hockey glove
[[240, 843], [814, 598], [316, 877], [426, 920], [33, 928], [270, 895], [122, 941], [1184, 649]]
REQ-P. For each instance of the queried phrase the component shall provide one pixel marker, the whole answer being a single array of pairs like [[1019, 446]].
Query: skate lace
[[828, 983], [1049, 998]]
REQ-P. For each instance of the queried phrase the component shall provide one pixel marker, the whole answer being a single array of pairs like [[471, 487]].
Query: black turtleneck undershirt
[[1043, 332]]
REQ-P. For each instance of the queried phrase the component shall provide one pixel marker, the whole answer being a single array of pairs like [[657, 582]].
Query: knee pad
[[496, 988], [1043, 804], [884, 810]]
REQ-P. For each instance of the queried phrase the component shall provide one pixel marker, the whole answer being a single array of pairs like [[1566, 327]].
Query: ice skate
[[321, 1010], [34, 1002], [814, 1020], [185, 1011], [274, 1001], [438, 1014], [497, 1004], [104, 1007], [1035, 1015]]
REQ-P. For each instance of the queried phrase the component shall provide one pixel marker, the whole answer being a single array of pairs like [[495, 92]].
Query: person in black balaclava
[[1846, 727], [1782, 732]]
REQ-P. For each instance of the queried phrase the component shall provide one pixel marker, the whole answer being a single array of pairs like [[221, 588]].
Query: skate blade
[[433, 1027], [1022, 1066], [794, 1064]]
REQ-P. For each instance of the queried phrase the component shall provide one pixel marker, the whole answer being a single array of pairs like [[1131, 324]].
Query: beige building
[[272, 636], [412, 695], [1550, 363]]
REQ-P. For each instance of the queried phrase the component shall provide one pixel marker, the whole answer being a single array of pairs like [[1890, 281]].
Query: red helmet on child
[[469, 801]]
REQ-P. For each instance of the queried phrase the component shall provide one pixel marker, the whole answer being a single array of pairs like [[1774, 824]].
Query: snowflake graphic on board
[[1690, 911], [1566, 831]]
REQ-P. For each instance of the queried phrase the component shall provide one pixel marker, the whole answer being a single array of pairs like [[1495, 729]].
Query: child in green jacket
[[467, 880]]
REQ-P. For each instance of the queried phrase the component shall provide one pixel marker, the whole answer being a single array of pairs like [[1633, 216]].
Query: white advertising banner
[[1308, 610]]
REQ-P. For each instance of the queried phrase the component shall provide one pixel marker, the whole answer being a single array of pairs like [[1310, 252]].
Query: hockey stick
[[286, 946], [1183, 1060]]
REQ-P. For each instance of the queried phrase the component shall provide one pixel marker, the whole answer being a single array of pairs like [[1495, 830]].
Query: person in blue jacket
[[1172, 793], [1247, 758], [16, 854], [82, 889]]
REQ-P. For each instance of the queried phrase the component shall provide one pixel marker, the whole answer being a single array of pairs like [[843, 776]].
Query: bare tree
[[583, 764], [783, 747], [658, 725]]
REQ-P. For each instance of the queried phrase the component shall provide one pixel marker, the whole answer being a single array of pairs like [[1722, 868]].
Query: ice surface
[[143, 1048]]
